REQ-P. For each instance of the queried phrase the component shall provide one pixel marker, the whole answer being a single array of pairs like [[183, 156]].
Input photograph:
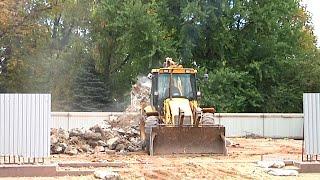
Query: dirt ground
[[239, 164]]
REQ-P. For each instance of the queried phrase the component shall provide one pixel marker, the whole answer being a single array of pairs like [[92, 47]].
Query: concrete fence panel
[[283, 125], [240, 124], [274, 125], [70, 120]]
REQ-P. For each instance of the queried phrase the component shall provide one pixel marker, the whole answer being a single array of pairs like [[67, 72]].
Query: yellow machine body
[[174, 123]]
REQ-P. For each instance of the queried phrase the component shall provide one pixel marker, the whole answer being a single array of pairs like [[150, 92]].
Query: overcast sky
[[313, 6]]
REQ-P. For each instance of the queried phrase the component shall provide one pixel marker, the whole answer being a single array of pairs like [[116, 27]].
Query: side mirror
[[206, 76], [150, 76], [198, 94]]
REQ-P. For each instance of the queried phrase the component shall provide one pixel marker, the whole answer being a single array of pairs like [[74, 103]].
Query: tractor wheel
[[151, 121], [207, 119]]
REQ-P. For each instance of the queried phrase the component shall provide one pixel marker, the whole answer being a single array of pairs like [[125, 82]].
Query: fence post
[[263, 126], [68, 115]]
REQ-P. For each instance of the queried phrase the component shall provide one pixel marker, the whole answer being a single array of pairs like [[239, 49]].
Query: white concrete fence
[[274, 125], [70, 120]]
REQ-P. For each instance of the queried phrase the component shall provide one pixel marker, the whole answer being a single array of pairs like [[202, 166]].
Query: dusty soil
[[239, 164]]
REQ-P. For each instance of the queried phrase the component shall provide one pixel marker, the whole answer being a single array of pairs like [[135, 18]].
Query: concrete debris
[[140, 94], [109, 151], [108, 137], [76, 132], [53, 139], [57, 150], [85, 148], [71, 150], [106, 174], [252, 135], [99, 149], [101, 143], [123, 152], [274, 168], [271, 164], [229, 142], [120, 147], [112, 143], [92, 135], [126, 121], [278, 164], [283, 172]]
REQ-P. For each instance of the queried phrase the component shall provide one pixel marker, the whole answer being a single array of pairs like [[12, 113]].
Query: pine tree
[[90, 91]]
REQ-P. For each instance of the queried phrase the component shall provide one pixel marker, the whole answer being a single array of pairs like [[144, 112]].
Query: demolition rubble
[[139, 94], [119, 135], [107, 137]]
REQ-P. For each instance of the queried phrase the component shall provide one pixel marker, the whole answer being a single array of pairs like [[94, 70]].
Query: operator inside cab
[[181, 86], [175, 90]]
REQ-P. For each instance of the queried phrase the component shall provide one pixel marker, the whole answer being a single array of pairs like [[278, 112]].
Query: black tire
[[151, 121], [207, 119]]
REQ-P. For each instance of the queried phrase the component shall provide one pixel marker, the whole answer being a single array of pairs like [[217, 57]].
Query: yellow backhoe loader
[[174, 123]]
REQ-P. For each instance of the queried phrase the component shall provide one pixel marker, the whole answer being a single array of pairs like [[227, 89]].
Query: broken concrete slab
[[286, 159], [271, 164], [113, 142], [107, 175], [99, 149], [282, 172], [71, 150]]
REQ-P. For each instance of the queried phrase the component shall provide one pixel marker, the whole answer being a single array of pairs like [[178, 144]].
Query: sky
[[313, 6]]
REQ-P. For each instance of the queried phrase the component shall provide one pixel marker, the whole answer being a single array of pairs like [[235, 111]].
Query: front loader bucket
[[187, 140]]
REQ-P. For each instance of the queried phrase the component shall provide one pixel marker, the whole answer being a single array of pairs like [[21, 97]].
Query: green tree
[[128, 40], [259, 44], [89, 90], [230, 91], [52, 40]]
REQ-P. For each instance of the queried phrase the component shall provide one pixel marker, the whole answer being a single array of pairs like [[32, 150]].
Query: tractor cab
[[169, 83]]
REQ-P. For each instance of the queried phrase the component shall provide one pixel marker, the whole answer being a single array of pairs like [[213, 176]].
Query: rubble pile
[[140, 94], [107, 137], [118, 135]]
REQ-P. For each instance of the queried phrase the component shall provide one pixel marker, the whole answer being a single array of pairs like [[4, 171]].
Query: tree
[[230, 91], [259, 44], [128, 40], [89, 90], [46, 45]]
